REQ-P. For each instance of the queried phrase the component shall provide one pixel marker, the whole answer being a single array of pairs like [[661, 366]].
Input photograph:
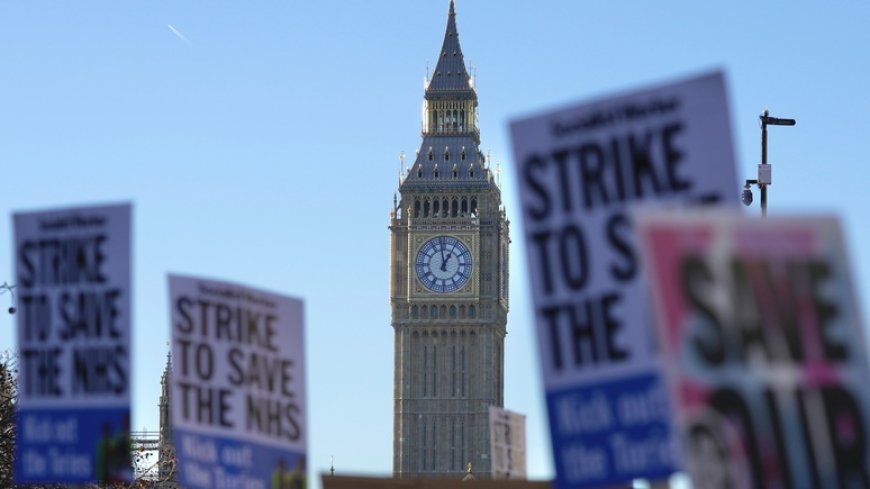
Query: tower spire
[[450, 151], [450, 72]]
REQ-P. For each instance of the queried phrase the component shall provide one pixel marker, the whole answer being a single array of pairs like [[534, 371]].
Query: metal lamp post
[[4, 287], [764, 169]]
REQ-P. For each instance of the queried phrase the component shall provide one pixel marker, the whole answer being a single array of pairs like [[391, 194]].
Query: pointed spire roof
[[450, 72], [449, 157]]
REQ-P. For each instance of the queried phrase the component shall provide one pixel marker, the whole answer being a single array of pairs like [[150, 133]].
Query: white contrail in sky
[[178, 33]]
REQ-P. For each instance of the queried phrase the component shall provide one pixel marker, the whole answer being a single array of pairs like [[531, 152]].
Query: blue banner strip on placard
[[72, 445], [207, 462], [611, 432]]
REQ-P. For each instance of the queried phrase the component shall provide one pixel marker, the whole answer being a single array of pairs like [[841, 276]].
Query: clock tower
[[448, 284]]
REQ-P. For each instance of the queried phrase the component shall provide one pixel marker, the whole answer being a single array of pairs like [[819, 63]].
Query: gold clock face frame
[[444, 264]]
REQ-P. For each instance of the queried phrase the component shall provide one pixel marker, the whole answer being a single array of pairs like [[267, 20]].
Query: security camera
[[11, 310], [746, 197]]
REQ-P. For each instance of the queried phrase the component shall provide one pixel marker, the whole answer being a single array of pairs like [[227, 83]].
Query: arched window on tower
[[436, 174], [434, 370], [422, 433], [472, 311], [445, 208], [420, 171], [415, 312], [464, 207], [431, 156], [425, 369], [426, 208], [446, 154], [462, 312], [462, 458], [462, 155], [416, 207], [454, 371], [454, 208], [473, 206], [455, 171], [453, 444], [462, 379], [434, 312], [452, 312], [434, 443]]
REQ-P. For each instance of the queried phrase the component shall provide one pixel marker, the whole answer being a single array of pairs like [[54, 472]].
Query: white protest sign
[[73, 288], [579, 170], [764, 349], [238, 385], [507, 442]]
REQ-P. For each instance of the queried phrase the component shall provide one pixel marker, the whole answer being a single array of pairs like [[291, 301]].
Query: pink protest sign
[[763, 348]]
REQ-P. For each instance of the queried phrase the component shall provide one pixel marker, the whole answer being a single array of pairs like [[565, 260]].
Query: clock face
[[443, 264]]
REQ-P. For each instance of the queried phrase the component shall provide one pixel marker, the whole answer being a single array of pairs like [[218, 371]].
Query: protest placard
[[507, 443], [579, 170], [73, 288], [764, 348], [237, 386]]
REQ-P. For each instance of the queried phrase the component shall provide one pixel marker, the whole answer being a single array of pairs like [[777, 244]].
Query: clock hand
[[444, 262]]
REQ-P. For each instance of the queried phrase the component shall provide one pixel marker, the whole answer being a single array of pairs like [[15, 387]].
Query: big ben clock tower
[[449, 275]]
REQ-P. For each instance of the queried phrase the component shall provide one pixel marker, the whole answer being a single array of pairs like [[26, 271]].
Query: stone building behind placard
[[449, 284]]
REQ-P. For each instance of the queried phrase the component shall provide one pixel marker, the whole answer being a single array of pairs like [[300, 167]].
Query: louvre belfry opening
[[448, 284]]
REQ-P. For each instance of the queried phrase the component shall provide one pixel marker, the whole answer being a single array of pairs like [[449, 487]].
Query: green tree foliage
[[8, 394]]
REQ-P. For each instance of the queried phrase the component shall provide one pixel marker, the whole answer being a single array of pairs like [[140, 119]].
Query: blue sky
[[259, 143]]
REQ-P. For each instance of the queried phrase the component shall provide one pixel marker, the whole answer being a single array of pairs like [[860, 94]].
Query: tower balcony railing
[[466, 220], [451, 131], [446, 221]]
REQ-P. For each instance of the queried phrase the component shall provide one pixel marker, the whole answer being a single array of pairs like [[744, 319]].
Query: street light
[[4, 287], [765, 173]]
